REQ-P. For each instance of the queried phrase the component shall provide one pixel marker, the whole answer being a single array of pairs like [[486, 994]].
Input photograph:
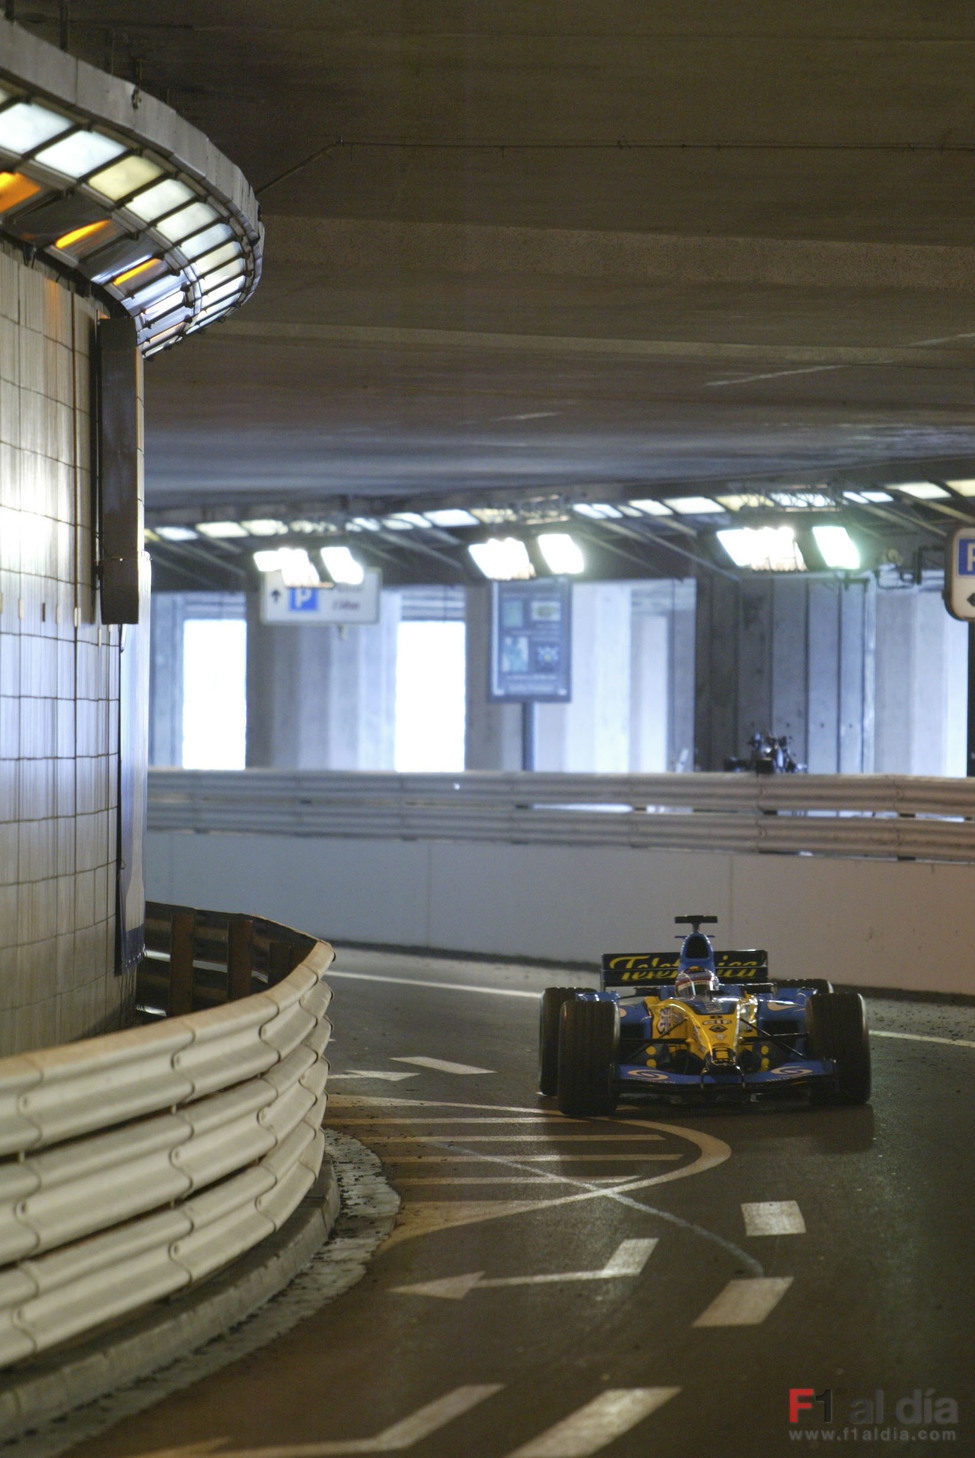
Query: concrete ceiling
[[571, 251]]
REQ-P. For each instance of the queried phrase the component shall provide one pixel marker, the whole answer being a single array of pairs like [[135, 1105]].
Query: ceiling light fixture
[[220, 529], [342, 567], [763, 549], [451, 516], [693, 505], [562, 553], [502, 559], [921, 490], [651, 507], [836, 547]]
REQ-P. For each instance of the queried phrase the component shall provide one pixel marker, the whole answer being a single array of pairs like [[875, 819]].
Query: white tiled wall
[[59, 681]]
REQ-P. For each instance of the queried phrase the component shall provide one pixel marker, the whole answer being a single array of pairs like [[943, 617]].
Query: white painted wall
[[903, 924]]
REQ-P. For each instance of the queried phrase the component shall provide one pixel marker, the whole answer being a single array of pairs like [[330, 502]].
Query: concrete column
[[662, 676], [166, 679], [921, 684], [321, 697], [788, 656], [493, 738], [591, 734]]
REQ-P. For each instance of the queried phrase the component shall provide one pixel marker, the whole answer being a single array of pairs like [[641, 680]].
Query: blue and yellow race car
[[700, 1025]]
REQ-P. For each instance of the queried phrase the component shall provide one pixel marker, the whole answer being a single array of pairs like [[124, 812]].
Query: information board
[[531, 641], [960, 574]]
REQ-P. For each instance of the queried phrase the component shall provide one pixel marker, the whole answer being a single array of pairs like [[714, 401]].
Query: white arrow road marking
[[745, 1301], [774, 1217], [440, 1065], [420, 1424], [388, 1077], [608, 1416], [627, 1260]]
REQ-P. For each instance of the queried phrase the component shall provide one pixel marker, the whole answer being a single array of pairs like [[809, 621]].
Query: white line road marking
[[394, 1439], [924, 1038], [627, 1260], [521, 1138], [421, 1217], [388, 1077], [500, 1179], [474, 1158], [440, 1065], [438, 986], [745, 1301], [375, 1120], [774, 1217], [608, 1416]]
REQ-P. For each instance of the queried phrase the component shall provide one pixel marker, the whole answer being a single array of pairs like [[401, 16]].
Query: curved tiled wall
[[59, 680]]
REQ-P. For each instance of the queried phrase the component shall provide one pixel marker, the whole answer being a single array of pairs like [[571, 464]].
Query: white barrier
[[136, 1163], [866, 879], [889, 816]]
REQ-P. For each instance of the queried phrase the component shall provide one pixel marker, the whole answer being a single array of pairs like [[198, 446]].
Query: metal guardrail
[[893, 816], [134, 1164]]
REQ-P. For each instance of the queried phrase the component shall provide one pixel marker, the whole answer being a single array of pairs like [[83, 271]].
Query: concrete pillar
[[662, 676], [321, 697], [493, 738], [591, 735], [166, 678], [921, 683], [786, 656]]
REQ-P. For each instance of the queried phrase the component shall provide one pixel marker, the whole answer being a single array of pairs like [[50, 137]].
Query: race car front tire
[[836, 1023], [548, 1037], [589, 1043]]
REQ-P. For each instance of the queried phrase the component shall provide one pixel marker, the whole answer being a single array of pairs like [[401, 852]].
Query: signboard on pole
[[531, 641], [959, 590], [299, 607]]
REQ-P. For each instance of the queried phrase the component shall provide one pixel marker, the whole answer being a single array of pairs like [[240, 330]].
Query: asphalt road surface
[[743, 1283]]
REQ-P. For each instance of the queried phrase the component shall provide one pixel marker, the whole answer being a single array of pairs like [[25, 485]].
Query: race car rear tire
[[548, 1037], [589, 1043], [836, 1023]]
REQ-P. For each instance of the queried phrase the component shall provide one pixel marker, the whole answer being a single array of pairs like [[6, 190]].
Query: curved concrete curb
[[40, 1391]]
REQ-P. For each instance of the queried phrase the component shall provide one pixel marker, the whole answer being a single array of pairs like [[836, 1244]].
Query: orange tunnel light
[[76, 234], [14, 188], [122, 278]]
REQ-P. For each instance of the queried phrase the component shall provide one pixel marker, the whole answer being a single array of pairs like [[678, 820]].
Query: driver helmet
[[696, 982]]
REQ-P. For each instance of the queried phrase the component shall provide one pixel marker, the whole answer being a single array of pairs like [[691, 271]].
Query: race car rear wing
[[628, 969]]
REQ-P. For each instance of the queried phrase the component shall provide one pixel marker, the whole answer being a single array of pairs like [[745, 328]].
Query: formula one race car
[[700, 1025]]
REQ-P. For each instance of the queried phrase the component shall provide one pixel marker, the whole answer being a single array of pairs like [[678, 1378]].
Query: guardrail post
[[181, 961], [280, 961], [240, 956]]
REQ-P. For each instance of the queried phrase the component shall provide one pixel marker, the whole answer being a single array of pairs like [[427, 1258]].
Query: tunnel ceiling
[[524, 257]]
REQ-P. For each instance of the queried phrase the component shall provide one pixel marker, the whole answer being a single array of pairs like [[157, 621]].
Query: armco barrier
[[134, 1164]]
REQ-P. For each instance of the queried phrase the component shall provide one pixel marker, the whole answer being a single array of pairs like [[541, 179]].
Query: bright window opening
[[214, 693], [430, 697]]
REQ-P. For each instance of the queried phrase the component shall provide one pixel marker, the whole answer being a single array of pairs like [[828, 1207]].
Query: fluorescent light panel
[[921, 490], [763, 549], [342, 567], [503, 559], [836, 547], [561, 552], [693, 505], [220, 529]]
